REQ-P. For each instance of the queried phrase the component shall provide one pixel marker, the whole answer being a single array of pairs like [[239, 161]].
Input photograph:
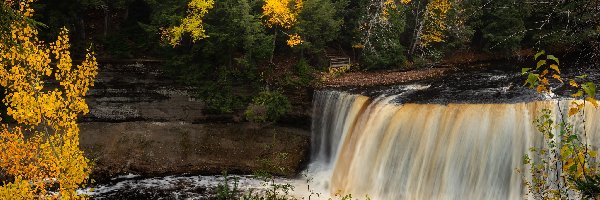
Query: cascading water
[[385, 150]]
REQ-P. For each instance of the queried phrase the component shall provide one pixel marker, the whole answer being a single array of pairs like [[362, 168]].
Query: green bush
[[302, 76], [304, 70], [256, 113], [382, 46], [267, 106]]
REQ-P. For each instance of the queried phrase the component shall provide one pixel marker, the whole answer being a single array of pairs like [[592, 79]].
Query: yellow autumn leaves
[[278, 13], [574, 158], [282, 13], [192, 23], [294, 40], [435, 19], [436, 13], [573, 155], [41, 150], [547, 69]]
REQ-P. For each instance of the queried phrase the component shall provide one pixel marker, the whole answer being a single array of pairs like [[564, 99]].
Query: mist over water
[[372, 146]]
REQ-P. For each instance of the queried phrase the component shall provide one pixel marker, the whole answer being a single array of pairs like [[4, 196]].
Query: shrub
[[304, 71], [267, 106], [256, 113], [302, 76]]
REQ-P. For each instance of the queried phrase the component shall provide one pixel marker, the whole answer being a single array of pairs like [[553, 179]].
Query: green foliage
[[547, 70], [498, 26], [505, 26], [319, 23], [563, 157], [6, 16], [460, 33], [224, 65], [351, 13], [267, 106], [304, 70], [227, 190], [589, 186], [222, 100], [589, 88], [128, 28], [561, 167], [382, 42], [301, 76], [234, 28], [111, 26], [390, 56], [220, 94], [502, 25], [274, 191], [119, 45], [571, 23], [256, 113]]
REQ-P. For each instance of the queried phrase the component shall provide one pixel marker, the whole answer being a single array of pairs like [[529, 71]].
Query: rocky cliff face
[[144, 122], [139, 92]]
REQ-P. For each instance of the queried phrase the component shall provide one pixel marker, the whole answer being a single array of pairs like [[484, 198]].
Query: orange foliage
[[42, 149]]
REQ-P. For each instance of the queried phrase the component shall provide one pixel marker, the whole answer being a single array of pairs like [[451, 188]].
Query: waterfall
[[386, 150]]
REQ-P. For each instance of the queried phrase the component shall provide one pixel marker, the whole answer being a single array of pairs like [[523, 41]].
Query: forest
[[244, 47], [348, 93]]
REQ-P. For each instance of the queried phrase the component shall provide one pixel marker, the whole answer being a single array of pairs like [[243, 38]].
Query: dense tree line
[[243, 46], [408, 29]]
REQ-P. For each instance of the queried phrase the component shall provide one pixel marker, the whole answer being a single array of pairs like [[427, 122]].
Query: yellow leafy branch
[[436, 13], [283, 14], [193, 23], [42, 149], [547, 69]]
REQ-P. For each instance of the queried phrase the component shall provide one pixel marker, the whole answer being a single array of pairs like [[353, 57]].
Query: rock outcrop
[[141, 121]]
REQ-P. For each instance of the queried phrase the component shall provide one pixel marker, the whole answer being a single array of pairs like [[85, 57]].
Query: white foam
[[127, 176], [182, 185]]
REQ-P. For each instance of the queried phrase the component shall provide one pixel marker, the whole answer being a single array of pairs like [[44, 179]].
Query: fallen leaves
[[382, 77]]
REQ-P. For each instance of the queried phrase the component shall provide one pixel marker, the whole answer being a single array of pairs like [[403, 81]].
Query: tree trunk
[[416, 40], [418, 29]]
